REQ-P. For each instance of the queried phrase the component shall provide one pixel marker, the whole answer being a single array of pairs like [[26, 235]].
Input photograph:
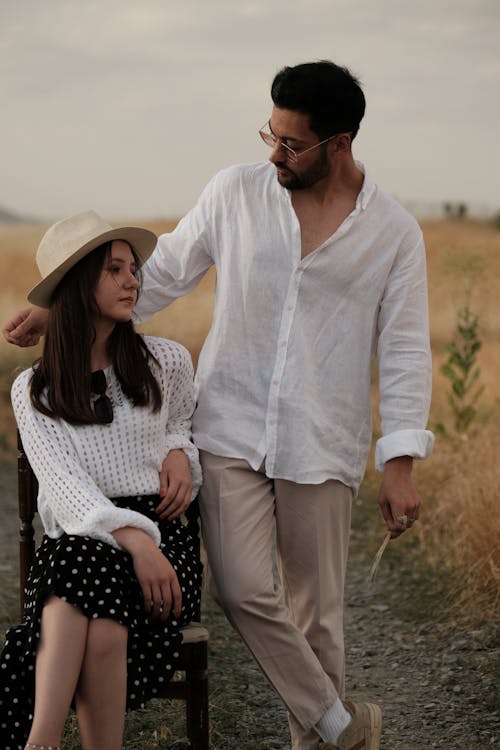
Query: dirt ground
[[438, 685]]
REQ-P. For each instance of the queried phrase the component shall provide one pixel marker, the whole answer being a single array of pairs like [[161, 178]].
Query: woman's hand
[[27, 327], [175, 485], [156, 576]]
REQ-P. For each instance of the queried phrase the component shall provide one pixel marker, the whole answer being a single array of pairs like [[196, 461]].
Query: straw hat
[[71, 239]]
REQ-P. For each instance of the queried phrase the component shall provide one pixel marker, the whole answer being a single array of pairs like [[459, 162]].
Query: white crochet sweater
[[79, 467]]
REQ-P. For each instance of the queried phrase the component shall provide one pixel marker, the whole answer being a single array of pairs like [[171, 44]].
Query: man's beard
[[293, 181]]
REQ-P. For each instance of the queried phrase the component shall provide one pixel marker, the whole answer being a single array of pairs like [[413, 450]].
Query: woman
[[104, 417]]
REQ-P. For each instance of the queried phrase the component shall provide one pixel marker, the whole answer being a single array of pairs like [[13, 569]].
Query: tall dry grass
[[459, 531], [460, 523], [460, 528]]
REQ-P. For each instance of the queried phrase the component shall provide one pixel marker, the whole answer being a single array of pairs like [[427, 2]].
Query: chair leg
[[197, 709]]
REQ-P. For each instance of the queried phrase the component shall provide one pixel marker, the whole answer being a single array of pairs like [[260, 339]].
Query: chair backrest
[[27, 487]]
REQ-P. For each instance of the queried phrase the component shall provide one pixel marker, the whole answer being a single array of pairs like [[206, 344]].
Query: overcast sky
[[129, 106]]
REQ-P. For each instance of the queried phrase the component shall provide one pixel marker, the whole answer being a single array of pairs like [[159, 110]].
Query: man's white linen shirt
[[80, 467], [285, 371]]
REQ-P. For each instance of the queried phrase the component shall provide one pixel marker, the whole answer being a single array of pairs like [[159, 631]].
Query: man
[[317, 271]]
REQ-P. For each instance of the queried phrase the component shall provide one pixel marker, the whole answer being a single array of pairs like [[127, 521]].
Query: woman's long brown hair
[[60, 386]]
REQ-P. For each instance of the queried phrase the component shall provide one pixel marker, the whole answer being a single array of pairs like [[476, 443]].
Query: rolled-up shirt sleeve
[[404, 360]]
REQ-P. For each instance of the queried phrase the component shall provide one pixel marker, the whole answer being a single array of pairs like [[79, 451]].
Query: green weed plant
[[462, 370]]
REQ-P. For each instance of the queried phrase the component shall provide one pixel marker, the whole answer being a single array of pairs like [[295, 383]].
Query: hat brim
[[141, 240]]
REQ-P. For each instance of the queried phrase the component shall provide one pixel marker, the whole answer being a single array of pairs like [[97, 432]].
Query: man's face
[[292, 129]]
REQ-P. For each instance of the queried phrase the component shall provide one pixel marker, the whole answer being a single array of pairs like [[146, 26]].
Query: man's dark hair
[[328, 93]]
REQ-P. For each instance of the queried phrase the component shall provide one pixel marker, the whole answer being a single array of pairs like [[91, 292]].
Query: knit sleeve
[[72, 496], [177, 362]]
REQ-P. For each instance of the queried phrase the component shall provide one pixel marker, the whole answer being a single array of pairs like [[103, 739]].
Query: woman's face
[[117, 288]]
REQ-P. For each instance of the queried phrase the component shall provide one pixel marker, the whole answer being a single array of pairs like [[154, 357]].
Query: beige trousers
[[293, 626]]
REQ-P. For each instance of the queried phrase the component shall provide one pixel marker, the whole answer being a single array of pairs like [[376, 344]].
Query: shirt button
[[276, 382], [290, 307], [299, 270], [283, 343]]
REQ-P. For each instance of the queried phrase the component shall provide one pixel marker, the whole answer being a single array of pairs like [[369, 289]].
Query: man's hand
[[27, 327], [175, 485], [398, 500]]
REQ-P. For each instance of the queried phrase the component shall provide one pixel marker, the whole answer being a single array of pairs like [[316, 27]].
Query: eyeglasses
[[271, 140], [103, 408]]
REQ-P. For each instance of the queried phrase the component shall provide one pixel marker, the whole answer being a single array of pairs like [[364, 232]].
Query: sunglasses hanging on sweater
[[103, 409]]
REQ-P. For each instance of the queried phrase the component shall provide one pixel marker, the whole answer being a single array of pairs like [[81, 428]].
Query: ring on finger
[[402, 520]]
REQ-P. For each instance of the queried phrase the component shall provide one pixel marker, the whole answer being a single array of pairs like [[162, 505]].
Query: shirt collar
[[365, 195], [368, 189]]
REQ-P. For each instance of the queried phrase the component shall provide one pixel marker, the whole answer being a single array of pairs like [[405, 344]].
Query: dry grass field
[[460, 523]]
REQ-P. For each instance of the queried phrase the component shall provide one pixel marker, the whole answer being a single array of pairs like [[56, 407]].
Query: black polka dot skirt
[[100, 581]]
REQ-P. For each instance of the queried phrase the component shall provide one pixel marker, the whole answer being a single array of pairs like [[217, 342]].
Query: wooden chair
[[191, 683]]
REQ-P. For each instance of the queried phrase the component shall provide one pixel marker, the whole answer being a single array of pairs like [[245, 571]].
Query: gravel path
[[438, 687]]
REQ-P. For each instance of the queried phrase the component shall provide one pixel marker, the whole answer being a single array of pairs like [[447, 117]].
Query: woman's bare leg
[[60, 652], [101, 690]]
